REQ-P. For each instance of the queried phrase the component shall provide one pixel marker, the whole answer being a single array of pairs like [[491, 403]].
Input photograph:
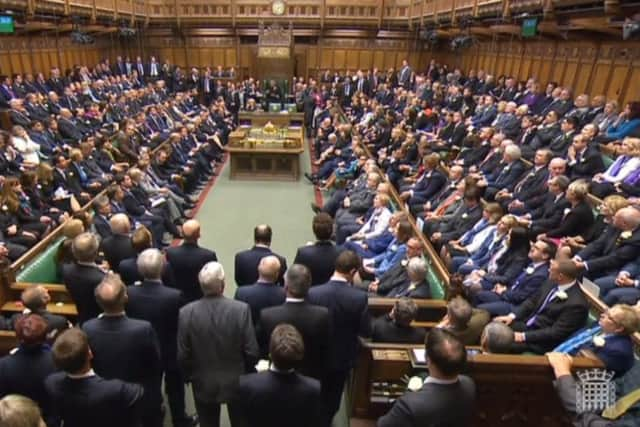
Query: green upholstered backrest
[[435, 283], [42, 269], [608, 161]]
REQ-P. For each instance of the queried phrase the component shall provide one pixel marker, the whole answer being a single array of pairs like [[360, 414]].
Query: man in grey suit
[[446, 397], [216, 344]]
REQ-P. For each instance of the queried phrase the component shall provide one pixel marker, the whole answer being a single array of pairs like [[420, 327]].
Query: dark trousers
[[332, 386], [174, 389], [209, 414]]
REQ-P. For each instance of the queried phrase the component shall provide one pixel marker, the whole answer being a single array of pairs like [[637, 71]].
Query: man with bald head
[[117, 246], [83, 275], [187, 260], [246, 262], [126, 349], [265, 292]]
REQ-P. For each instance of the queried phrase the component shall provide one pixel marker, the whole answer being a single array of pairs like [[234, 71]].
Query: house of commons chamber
[[310, 213]]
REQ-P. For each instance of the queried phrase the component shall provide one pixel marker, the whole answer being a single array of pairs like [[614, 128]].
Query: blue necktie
[[532, 319]]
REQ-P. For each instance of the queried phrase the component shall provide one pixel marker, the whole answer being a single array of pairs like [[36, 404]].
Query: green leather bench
[[43, 268]]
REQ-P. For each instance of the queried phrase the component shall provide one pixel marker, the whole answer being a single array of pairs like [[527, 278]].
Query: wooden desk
[[253, 160], [259, 119], [512, 390]]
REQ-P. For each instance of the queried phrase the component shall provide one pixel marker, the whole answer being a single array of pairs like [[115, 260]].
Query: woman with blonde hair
[[626, 164]]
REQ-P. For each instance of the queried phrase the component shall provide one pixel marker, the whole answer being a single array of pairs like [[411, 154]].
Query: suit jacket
[[127, 349], [557, 320], [427, 187], [589, 164], [576, 222], [246, 265], [550, 214], [526, 284], [448, 405], [280, 399], [312, 321], [116, 248], [160, 306], [94, 401], [259, 296], [508, 176], [531, 184], [610, 251], [386, 330], [186, 262], [81, 281], [24, 372], [462, 221], [421, 290], [395, 277], [349, 317], [616, 354], [129, 273], [319, 258], [216, 344], [560, 144]]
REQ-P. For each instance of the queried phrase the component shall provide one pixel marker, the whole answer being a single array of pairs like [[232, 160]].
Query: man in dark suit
[[265, 292], [550, 316], [551, 212], [160, 305], [83, 276], [395, 327], [246, 262], [117, 246], [81, 397], [126, 349], [616, 247], [584, 161], [416, 284], [216, 345], [463, 219], [348, 309], [404, 75], [560, 144], [187, 260], [530, 183], [505, 297], [507, 174], [35, 299], [311, 321], [428, 184], [319, 257], [280, 397], [446, 397]]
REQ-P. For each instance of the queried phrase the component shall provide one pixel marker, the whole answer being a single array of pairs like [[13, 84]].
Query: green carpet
[[230, 212], [233, 208]]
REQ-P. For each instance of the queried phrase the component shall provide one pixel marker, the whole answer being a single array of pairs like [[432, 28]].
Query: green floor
[[233, 208]]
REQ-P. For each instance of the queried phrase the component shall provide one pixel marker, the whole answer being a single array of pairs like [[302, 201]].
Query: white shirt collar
[[433, 380], [291, 299], [566, 287], [280, 371], [337, 278], [89, 373]]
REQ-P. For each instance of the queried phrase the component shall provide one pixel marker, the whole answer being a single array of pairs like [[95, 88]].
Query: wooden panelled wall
[[40, 53], [607, 68]]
